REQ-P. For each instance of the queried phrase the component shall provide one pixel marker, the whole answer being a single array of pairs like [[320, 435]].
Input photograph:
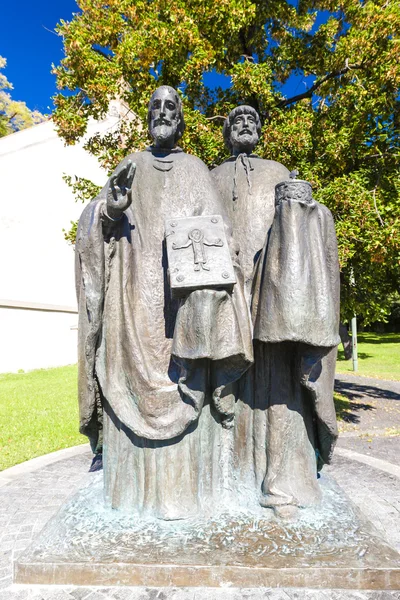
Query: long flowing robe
[[296, 327], [247, 187], [289, 389], [162, 436]]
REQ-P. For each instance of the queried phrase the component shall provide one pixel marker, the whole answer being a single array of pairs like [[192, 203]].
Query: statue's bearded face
[[244, 136], [164, 118]]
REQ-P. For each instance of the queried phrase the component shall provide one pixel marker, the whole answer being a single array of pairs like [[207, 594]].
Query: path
[[371, 421], [28, 500]]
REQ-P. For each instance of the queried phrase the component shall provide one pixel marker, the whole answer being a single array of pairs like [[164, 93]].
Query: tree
[[340, 128], [14, 115]]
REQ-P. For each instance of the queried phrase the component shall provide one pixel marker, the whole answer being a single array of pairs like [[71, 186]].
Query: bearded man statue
[[157, 383], [285, 423]]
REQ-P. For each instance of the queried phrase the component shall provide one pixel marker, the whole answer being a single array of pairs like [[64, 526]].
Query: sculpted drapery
[[285, 423], [189, 423], [162, 427]]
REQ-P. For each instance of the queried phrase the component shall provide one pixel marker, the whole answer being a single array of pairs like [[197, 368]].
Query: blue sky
[[29, 44]]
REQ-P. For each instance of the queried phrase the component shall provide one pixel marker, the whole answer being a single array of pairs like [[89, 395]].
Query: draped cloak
[[296, 316], [247, 187], [154, 377], [290, 373]]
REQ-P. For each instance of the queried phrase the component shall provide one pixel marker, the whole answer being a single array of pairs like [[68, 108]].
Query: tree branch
[[246, 48], [374, 197], [216, 117], [380, 155], [318, 83], [101, 53]]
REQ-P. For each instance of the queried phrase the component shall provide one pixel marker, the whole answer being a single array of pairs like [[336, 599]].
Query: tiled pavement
[[27, 503]]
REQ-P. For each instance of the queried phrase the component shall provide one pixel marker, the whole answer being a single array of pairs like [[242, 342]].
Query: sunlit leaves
[[14, 115], [343, 136]]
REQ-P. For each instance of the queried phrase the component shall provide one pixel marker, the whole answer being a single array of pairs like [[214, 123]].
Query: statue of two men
[[189, 421]]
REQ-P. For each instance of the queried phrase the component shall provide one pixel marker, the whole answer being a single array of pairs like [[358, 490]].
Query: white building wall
[[36, 263], [35, 339]]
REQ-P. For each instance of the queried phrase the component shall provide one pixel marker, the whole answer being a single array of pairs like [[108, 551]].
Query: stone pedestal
[[330, 546]]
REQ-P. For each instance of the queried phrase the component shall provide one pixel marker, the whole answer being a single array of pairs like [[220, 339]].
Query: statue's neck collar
[[243, 159], [158, 151], [163, 160]]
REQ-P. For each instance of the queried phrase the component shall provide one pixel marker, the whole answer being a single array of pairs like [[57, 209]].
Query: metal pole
[[354, 342], [354, 327]]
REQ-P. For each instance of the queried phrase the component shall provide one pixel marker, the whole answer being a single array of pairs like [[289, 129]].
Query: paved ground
[[28, 501], [371, 420]]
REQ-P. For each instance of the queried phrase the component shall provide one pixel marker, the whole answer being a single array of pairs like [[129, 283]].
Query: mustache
[[161, 121]]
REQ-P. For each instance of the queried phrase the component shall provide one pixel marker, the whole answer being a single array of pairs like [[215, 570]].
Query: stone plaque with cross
[[198, 253]]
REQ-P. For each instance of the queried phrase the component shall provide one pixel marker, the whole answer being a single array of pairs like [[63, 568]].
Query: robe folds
[[158, 380], [247, 187], [296, 303], [285, 423]]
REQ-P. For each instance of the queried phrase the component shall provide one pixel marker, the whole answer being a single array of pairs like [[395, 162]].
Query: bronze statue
[[191, 427], [246, 184], [166, 356], [285, 423], [158, 363]]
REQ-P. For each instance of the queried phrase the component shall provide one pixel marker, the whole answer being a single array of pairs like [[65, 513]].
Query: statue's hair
[[181, 124], [244, 109]]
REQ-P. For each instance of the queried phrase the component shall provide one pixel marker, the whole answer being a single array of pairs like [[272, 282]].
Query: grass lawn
[[38, 414], [39, 409], [378, 356]]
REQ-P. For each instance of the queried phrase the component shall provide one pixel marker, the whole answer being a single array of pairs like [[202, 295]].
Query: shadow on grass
[[361, 355], [347, 411], [378, 338]]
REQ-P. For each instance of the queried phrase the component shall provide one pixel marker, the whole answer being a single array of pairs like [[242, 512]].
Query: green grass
[[378, 356], [342, 406], [39, 409], [38, 414]]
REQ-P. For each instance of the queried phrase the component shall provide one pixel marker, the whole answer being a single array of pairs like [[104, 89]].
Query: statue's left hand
[[119, 192]]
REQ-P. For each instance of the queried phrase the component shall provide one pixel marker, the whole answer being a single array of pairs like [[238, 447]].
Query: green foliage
[[70, 234], [341, 130], [14, 115], [394, 317], [84, 190]]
